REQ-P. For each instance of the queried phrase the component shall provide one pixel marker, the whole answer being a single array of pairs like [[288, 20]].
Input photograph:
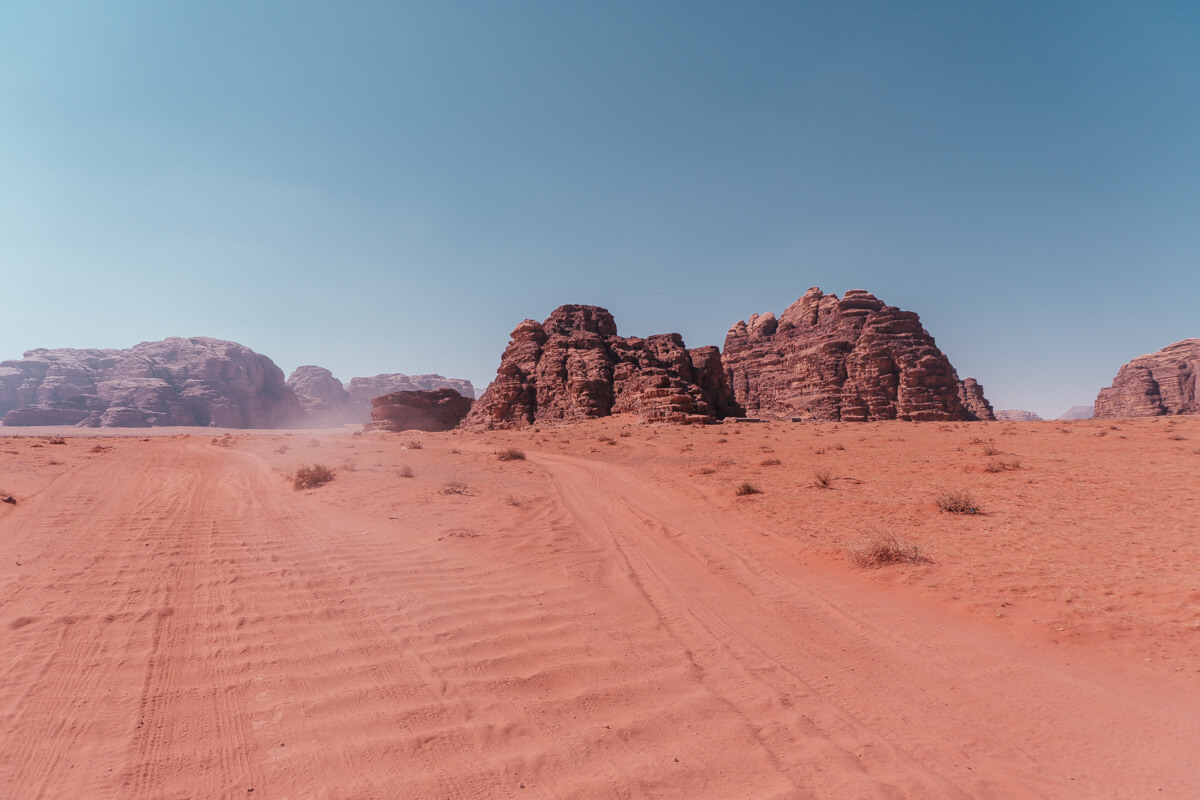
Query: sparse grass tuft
[[311, 477], [624, 434], [823, 479], [771, 462], [511, 454], [881, 549], [606, 439], [514, 501], [405, 472], [1001, 464], [415, 444], [958, 501], [454, 487], [991, 450], [746, 488], [706, 470], [56, 440]]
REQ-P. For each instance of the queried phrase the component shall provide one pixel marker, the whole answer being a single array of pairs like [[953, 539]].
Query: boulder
[[436, 410], [850, 359], [197, 381], [363, 391], [1154, 385]]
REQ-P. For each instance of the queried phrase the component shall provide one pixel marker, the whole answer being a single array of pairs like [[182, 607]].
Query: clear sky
[[393, 186]]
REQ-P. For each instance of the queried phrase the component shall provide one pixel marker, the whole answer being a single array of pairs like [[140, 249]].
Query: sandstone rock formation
[[574, 366], [436, 410], [198, 381], [1155, 384], [325, 401], [852, 359], [1078, 412], [1017, 415], [363, 390]]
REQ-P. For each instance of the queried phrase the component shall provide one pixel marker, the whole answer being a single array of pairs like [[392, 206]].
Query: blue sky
[[392, 187]]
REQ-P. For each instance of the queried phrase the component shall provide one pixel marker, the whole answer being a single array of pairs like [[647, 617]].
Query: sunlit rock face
[[1155, 384]]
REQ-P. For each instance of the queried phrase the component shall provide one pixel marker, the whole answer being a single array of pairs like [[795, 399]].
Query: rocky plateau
[[1155, 384]]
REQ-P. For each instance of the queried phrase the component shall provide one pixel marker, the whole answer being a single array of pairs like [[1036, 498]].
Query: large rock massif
[[1155, 385], [436, 410], [851, 359], [1017, 415], [175, 381], [574, 366]]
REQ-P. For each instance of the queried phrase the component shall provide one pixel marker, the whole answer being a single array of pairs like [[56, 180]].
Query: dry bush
[[514, 501], [311, 477], [606, 439], [283, 448], [881, 549], [977, 440], [511, 454], [99, 449], [405, 472], [454, 487], [991, 450], [958, 501], [1001, 464], [771, 462], [706, 470], [624, 434], [56, 440], [838, 446], [722, 440], [746, 488], [823, 479], [415, 444]]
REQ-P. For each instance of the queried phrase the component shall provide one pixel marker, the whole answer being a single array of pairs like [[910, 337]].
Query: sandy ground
[[606, 617]]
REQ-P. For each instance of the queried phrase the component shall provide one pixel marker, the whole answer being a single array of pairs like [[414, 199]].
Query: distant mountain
[[1017, 415], [1078, 412], [330, 404]]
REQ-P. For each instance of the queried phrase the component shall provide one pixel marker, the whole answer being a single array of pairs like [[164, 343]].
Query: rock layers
[[364, 390], [1155, 385], [574, 366], [197, 381], [436, 410], [850, 359], [327, 403]]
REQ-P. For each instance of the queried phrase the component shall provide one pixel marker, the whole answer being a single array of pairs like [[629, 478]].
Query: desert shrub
[[771, 462], [606, 439], [514, 501], [746, 488], [707, 470], [405, 472], [1001, 464], [838, 446], [511, 454], [454, 487], [283, 448], [819, 451], [415, 444], [880, 549], [624, 434], [977, 440], [958, 501], [56, 440], [349, 465], [99, 449], [314, 443], [823, 479], [311, 477], [991, 450], [722, 440]]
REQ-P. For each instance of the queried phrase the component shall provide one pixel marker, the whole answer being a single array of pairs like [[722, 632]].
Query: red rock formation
[[364, 390], [325, 401], [436, 410], [1017, 415], [852, 359], [197, 381], [1155, 384], [574, 366]]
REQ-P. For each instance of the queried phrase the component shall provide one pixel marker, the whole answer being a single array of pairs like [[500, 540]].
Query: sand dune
[[604, 618]]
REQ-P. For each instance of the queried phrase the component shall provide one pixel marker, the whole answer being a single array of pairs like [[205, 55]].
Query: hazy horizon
[[392, 187]]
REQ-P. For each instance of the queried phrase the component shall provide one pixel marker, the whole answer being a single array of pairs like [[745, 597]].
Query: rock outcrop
[[853, 359], [574, 366], [363, 390], [1017, 415], [436, 410], [1078, 412], [325, 401], [197, 381], [1155, 385]]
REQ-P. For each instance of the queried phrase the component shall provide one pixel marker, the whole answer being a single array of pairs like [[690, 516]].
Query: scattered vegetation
[[771, 462], [991, 450], [405, 472], [56, 440], [415, 444], [1002, 464], [283, 448], [624, 434], [511, 454], [99, 449], [958, 501], [746, 488], [881, 549], [707, 470], [823, 479], [310, 477], [514, 501], [454, 487]]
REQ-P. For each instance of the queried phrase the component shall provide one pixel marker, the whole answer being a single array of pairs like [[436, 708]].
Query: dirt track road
[[176, 622]]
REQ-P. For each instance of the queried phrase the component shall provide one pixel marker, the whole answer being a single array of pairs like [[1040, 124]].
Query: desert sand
[[604, 618]]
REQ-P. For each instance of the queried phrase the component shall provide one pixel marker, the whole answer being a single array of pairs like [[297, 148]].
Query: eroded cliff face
[[1155, 384], [196, 381], [851, 359], [574, 366], [436, 410]]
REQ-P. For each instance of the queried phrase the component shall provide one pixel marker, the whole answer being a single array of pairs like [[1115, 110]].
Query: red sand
[[606, 618]]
